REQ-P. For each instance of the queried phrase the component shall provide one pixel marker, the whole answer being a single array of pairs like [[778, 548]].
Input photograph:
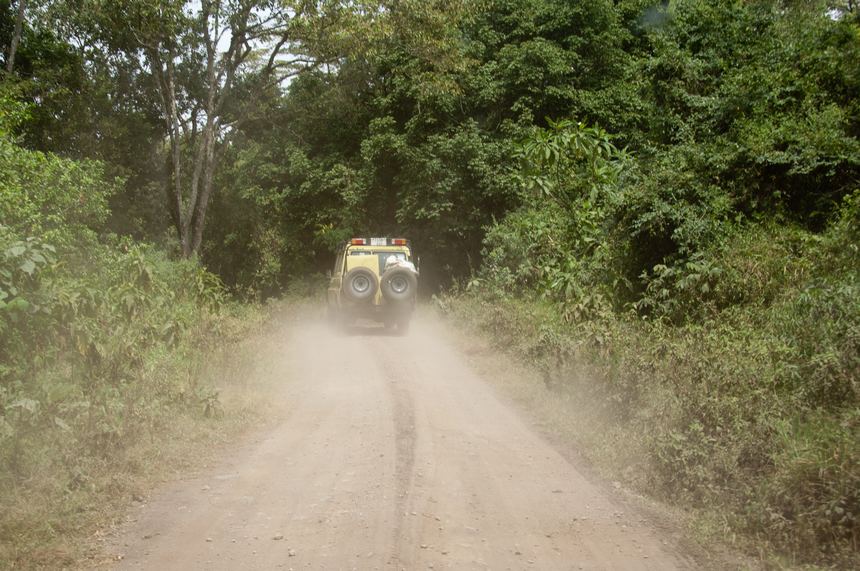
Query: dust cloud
[[383, 451]]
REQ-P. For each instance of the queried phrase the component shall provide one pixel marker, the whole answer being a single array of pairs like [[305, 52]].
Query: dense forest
[[665, 194]]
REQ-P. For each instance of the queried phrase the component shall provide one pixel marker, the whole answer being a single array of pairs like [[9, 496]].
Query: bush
[[101, 339], [732, 384], [56, 198]]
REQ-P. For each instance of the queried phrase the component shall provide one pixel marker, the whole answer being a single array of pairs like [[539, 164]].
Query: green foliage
[[569, 162], [99, 339], [45, 194], [413, 134], [704, 294], [558, 244], [664, 410], [14, 112], [707, 97], [717, 254], [758, 99], [80, 354], [21, 263], [740, 392]]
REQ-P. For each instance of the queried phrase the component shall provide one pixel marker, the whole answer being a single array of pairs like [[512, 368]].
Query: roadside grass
[[78, 487], [685, 416], [585, 436]]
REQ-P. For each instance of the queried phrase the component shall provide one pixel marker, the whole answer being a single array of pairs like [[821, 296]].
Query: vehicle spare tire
[[360, 284], [399, 284]]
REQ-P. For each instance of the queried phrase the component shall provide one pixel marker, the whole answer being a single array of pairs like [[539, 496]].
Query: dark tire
[[399, 285], [360, 285]]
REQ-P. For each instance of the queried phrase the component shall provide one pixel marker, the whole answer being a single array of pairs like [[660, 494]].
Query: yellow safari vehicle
[[376, 279]]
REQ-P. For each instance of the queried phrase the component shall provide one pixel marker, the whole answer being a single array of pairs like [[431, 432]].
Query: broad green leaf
[[18, 304], [28, 267]]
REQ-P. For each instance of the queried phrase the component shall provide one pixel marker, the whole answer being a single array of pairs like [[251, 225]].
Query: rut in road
[[390, 454]]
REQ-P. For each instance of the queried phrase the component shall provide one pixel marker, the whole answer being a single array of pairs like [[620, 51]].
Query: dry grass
[[60, 518], [608, 456]]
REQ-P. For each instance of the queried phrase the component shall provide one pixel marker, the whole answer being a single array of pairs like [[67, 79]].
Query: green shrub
[[56, 198], [701, 416], [101, 341], [732, 384]]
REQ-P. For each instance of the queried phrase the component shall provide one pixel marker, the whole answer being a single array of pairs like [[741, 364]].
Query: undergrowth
[[103, 387], [104, 345]]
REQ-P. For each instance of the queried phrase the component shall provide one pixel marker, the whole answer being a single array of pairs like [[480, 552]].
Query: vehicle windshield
[[382, 256]]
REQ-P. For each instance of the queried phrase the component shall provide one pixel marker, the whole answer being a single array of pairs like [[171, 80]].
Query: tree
[[16, 36], [210, 61]]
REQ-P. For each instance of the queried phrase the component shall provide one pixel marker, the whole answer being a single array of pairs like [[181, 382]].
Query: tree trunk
[[208, 180], [190, 195], [163, 71], [16, 37]]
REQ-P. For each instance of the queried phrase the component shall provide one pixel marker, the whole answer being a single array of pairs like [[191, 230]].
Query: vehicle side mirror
[[418, 263]]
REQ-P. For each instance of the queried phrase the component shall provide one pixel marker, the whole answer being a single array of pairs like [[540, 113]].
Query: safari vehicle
[[376, 279]]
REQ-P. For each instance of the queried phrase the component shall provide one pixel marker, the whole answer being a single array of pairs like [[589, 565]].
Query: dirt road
[[391, 454]]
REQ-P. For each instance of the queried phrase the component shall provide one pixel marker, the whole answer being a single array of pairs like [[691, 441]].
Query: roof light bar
[[379, 242]]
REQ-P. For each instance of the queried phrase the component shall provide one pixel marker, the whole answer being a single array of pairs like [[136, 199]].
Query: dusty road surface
[[390, 453]]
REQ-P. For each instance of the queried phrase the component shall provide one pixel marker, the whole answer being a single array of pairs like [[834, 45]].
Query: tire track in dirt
[[403, 414]]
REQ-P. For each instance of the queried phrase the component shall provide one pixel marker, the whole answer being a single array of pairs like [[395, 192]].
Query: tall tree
[[16, 36], [210, 60]]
